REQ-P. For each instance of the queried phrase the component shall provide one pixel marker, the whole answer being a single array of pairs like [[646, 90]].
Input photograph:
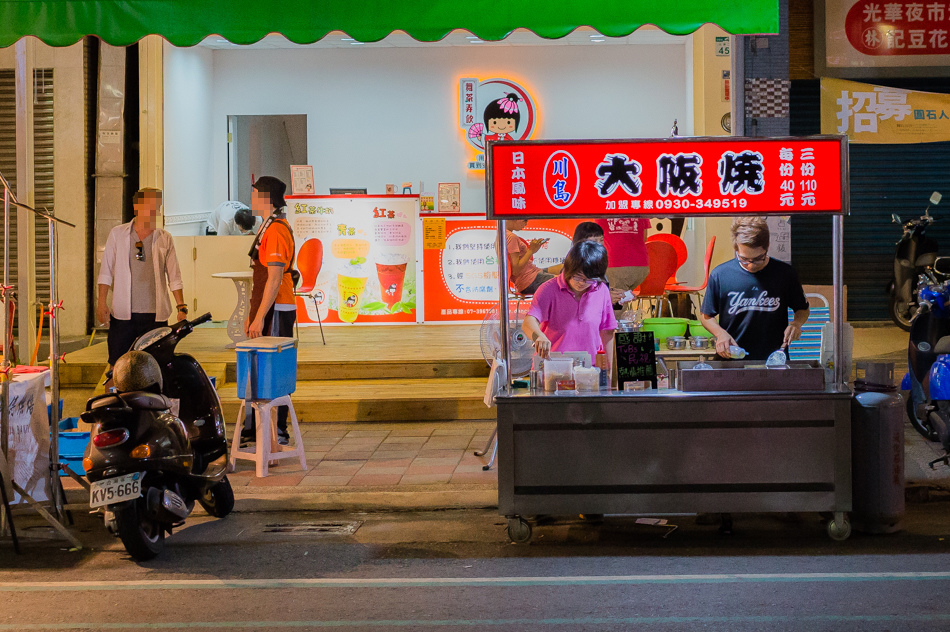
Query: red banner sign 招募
[[673, 177]]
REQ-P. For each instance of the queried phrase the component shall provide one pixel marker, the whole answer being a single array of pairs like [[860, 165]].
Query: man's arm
[[723, 339], [794, 330], [102, 308], [275, 273], [179, 300]]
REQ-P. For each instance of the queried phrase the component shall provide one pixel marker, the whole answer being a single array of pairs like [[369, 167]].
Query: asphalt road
[[456, 570]]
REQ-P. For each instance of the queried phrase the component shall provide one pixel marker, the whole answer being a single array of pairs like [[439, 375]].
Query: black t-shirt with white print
[[753, 308]]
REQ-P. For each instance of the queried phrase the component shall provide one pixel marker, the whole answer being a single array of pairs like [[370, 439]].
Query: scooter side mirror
[[935, 197], [895, 219]]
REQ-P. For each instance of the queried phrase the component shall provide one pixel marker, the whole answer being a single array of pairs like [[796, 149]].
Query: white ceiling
[[582, 36]]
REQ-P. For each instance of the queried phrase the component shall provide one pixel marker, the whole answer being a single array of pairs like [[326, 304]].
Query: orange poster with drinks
[[461, 278], [357, 257]]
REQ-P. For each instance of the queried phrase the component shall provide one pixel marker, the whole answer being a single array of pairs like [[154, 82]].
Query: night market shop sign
[[670, 177]]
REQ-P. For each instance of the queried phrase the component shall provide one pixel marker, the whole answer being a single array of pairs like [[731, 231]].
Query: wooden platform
[[406, 373]]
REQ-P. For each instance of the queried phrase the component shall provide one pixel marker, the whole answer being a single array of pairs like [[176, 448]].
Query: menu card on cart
[[636, 357]]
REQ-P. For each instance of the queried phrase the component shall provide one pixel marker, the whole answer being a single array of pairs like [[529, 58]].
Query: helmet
[[137, 371]]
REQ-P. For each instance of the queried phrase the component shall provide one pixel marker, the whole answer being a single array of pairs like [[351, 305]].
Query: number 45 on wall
[[722, 46]]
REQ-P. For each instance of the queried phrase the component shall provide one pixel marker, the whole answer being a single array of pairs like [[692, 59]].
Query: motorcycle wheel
[[143, 537], [922, 426], [218, 500], [901, 313]]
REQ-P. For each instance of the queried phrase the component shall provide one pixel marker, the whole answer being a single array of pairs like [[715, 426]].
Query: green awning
[[187, 22]]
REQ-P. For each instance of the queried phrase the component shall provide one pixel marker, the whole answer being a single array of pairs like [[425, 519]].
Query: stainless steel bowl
[[701, 342], [676, 343], [627, 325]]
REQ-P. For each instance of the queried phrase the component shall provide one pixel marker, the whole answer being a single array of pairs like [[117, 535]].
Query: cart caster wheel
[[519, 530], [839, 529]]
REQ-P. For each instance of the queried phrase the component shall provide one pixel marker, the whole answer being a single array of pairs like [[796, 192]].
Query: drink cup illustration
[[351, 283], [391, 270]]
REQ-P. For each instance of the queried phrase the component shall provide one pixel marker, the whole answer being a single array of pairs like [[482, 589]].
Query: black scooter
[[147, 466], [916, 255]]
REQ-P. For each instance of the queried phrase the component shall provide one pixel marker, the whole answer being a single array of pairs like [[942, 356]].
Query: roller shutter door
[[43, 167], [885, 179]]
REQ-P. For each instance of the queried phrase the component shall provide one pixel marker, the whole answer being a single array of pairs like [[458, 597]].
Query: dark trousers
[[122, 333], [277, 324]]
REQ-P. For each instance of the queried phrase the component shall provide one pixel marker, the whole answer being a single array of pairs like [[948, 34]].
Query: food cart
[[741, 439]]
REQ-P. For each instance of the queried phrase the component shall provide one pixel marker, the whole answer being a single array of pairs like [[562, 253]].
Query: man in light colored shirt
[[139, 265], [233, 218]]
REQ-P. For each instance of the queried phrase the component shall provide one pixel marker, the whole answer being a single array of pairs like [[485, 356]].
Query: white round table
[[242, 283]]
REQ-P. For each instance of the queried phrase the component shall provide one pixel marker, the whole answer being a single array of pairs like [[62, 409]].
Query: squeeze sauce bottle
[[737, 352], [601, 362]]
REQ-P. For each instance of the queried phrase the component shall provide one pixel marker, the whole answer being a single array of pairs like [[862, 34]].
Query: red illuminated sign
[[673, 177], [894, 28]]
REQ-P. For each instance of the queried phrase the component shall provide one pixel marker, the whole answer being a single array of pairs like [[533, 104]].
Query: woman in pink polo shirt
[[573, 312]]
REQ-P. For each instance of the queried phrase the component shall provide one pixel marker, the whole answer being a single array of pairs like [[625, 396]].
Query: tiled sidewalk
[[375, 455]]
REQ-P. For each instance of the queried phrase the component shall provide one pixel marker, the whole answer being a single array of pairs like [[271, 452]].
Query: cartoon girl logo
[[509, 112], [501, 119]]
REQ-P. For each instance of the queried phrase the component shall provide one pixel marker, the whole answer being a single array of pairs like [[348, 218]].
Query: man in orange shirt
[[273, 305]]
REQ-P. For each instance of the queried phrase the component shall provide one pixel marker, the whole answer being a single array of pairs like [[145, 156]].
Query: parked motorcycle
[[916, 254], [928, 376], [148, 465]]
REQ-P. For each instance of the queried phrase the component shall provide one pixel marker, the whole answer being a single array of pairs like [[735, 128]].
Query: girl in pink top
[[525, 276], [573, 311]]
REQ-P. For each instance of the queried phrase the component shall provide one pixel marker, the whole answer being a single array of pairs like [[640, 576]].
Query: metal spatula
[[777, 358]]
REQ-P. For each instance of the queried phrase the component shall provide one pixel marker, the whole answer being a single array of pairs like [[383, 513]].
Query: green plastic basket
[[663, 328], [696, 329]]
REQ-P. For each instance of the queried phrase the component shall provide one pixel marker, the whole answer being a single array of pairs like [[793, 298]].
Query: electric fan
[[520, 347]]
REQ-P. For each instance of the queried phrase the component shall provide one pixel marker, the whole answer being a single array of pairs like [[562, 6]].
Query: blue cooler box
[[276, 366], [72, 445]]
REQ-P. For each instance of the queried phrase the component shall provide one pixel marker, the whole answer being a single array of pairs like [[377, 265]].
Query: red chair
[[696, 290], [678, 245], [309, 263], [662, 258]]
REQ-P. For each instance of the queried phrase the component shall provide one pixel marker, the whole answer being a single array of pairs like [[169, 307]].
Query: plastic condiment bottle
[[737, 352], [601, 363]]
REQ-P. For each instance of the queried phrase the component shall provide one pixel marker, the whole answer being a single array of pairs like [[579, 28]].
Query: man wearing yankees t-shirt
[[751, 295]]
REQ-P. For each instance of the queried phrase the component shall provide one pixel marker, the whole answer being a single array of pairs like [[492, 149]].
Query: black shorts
[[279, 323], [122, 333]]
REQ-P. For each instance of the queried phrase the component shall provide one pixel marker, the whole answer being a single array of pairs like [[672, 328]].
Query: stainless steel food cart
[[669, 451]]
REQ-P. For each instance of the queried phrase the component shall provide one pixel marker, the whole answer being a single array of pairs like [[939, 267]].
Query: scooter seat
[[942, 346], [143, 400]]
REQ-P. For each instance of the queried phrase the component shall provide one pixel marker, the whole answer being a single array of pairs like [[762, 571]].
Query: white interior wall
[[189, 138], [390, 115]]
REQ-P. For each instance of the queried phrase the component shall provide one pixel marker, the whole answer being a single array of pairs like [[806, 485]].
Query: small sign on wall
[[780, 237], [433, 233], [301, 179], [449, 194], [722, 46]]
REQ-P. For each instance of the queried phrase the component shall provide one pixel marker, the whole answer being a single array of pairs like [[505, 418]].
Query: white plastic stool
[[266, 450]]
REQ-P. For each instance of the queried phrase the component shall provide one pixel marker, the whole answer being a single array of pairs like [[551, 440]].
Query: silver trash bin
[[877, 450]]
